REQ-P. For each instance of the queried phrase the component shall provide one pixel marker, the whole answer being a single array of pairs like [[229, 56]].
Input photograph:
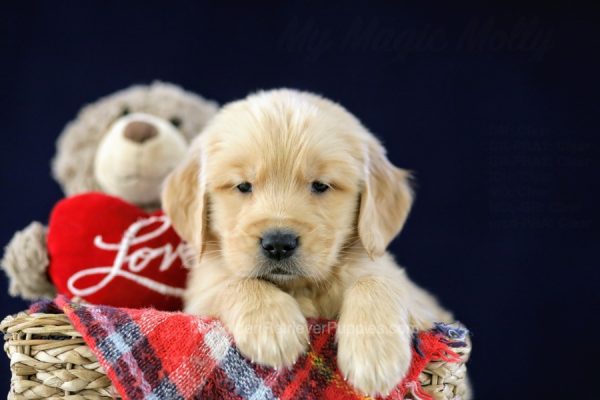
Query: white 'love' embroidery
[[136, 262]]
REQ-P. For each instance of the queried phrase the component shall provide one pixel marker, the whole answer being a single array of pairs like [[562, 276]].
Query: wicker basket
[[49, 360]]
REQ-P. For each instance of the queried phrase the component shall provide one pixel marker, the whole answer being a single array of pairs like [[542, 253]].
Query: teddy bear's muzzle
[[140, 131]]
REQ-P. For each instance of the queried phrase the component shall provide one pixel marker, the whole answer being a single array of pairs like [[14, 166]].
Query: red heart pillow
[[107, 251]]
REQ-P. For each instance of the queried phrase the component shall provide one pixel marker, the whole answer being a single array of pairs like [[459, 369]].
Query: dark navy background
[[496, 108]]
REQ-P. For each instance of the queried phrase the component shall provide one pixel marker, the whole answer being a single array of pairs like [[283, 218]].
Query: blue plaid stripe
[[126, 343], [120, 342], [165, 390], [94, 327], [247, 383]]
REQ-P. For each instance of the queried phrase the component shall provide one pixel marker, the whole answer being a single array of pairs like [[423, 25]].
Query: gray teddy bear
[[124, 145]]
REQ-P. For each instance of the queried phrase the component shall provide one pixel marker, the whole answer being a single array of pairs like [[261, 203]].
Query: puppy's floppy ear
[[184, 202], [385, 201]]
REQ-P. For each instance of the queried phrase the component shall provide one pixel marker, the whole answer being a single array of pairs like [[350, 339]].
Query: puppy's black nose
[[278, 245]]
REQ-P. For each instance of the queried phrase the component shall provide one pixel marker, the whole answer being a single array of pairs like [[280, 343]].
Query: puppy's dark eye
[[319, 187], [125, 111], [176, 122], [245, 187]]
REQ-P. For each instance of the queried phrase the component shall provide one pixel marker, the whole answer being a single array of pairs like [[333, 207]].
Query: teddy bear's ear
[[183, 200]]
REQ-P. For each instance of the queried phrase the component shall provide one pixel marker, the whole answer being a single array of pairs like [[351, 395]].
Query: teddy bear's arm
[[26, 262]]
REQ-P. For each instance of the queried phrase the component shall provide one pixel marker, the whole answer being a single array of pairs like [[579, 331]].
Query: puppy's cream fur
[[281, 141]]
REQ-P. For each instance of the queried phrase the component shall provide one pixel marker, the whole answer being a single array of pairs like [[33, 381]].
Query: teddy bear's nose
[[140, 131]]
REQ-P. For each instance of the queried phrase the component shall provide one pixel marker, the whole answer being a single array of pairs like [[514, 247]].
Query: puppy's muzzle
[[278, 245]]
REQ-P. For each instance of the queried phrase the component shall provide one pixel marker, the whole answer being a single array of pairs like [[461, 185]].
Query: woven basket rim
[[49, 359]]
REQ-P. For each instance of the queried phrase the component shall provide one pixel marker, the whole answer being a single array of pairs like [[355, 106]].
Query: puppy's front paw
[[373, 358], [274, 335]]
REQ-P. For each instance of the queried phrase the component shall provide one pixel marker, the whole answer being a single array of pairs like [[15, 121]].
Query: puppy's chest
[[318, 302]]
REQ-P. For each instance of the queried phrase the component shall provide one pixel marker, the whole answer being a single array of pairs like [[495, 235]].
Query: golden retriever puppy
[[289, 203]]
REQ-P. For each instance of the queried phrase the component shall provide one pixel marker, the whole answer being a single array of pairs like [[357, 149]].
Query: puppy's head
[[281, 183]]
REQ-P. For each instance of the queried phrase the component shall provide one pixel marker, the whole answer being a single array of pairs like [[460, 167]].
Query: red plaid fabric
[[150, 354]]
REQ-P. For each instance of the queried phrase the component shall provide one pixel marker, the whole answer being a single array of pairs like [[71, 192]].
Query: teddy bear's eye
[[176, 122], [125, 111]]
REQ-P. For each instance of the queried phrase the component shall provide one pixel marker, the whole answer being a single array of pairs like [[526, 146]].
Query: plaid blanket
[[150, 354]]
